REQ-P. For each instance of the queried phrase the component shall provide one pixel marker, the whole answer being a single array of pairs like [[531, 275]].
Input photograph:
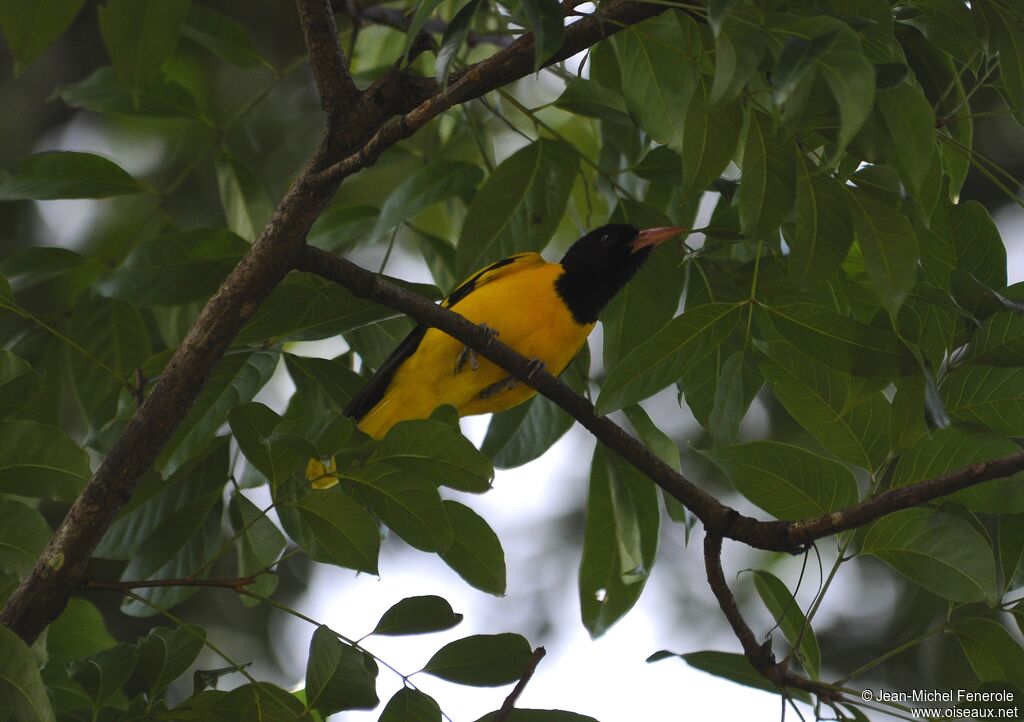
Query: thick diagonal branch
[[716, 517]]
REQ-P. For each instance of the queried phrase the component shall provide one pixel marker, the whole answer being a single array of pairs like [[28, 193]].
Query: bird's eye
[[606, 241]]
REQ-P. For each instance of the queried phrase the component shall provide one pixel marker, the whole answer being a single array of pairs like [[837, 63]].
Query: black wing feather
[[371, 394]]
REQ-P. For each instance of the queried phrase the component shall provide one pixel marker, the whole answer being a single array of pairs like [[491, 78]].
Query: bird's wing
[[371, 394]]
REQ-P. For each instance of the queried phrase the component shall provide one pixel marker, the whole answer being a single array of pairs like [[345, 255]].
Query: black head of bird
[[599, 264]]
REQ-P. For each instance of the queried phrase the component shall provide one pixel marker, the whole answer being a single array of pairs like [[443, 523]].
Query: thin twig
[[237, 584], [760, 656], [510, 702]]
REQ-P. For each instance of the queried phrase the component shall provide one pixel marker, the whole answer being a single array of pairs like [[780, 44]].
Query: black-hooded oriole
[[543, 310]]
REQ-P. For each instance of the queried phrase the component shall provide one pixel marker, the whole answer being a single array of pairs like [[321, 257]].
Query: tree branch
[[505, 66], [337, 90], [716, 517], [237, 584], [760, 656], [510, 702]]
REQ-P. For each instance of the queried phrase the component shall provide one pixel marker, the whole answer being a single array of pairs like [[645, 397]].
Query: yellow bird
[[545, 311]]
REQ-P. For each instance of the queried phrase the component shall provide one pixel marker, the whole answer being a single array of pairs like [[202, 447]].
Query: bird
[[543, 310]]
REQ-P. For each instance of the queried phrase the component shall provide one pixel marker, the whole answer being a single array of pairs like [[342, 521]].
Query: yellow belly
[[528, 316]]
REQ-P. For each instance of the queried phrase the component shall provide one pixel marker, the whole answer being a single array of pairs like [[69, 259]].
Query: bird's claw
[[468, 354], [535, 367]]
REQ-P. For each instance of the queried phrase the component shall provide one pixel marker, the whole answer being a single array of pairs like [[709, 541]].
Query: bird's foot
[[536, 366], [492, 333], [509, 382], [469, 355]]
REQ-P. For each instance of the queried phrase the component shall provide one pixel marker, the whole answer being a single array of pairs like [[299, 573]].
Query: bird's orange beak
[[654, 236]]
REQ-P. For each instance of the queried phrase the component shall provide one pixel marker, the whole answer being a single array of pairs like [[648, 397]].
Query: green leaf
[[828, 405], [911, 123], [435, 452], [952, 449], [31, 26], [546, 21], [140, 35], [64, 174], [222, 36], [104, 673], [851, 77], [1011, 551], [159, 501], [18, 381], [322, 384], [768, 179], [104, 92], [663, 358], [519, 206], [77, 633], [338, 675], [739, 47], [418, 615], [1000, 342], [242, 196], [114, 335], [786, 481], [345, 533], [940, 552], [342, 226], [260, 542], [411, 705], [737, 385], [824, 227], [234, 381], [40, 461], [475, 552], [839, 341], [483, 660], [710, 137], [408, 505], [174, 534], [428, 185], [305, 308], [994, 654], [1008, 38], [176, 268], [889, 246], [520, 714], [522, 433], [22, 694], [165, 654], [797, 60], [424, 9], [733, 667], [656, 55], [454, 35], [991, 397], [790, 618], [949, 26], [664, 447], [591, 99], [253, 426], [977, 244], [620, 540], [23, 537]]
